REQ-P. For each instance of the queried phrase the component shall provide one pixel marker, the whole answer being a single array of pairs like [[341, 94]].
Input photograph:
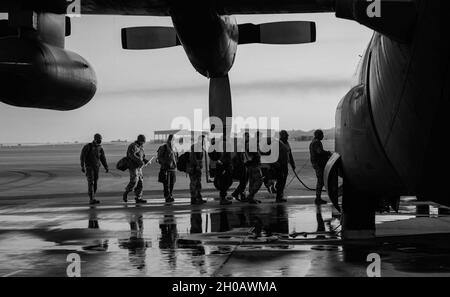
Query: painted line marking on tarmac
[[12, 273], [308, 196]]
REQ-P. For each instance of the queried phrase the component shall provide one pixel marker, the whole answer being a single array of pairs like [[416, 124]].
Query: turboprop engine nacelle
[[35, 69], [35, 74]]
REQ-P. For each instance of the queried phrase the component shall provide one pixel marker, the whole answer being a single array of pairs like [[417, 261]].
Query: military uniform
[[92, 156], [223, 178], [319, 158], [167, 158], [194, 169], [136, 157], [255, 178], [240, 172], [284, 159]]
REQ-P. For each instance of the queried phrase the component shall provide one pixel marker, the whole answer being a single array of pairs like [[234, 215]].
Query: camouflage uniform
[[240, 172], [194, 169], [284, 159], [254, 181], [167, 158], [223, 179], [92, 156], [255, 178], [319, 158], [136, 156]]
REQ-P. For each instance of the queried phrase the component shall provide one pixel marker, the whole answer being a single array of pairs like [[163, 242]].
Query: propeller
[[295, 32], [144, 38], [220, 104]]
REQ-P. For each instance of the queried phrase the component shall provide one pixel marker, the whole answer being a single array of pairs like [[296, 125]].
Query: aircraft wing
[[275, 6], [161, 7]]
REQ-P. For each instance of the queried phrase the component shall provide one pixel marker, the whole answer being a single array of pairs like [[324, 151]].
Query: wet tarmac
[[292, 239]]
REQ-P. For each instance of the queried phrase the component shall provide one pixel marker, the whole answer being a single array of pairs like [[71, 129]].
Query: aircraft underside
[[163, 7]]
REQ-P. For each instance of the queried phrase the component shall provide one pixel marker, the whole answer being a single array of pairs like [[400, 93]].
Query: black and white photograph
[[224, 146]]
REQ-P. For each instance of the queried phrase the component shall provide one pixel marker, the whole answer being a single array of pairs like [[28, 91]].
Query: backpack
[[183, 160], [160, 154], [88, 155], [122, 165]]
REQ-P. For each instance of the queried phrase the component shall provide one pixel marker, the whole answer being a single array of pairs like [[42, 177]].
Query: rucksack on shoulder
[[182, 162], [160, 154], [123, 164]]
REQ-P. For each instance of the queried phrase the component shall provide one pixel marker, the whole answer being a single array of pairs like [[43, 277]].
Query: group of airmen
[[245, 167]]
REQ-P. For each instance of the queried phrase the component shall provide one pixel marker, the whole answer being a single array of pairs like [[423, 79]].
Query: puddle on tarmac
[[138, 242]]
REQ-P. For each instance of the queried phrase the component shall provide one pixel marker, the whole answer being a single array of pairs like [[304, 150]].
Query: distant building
[[252, 132], [161, 136], [303, 138]]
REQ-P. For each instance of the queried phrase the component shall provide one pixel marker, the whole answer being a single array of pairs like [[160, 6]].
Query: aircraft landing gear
[[358, 215]]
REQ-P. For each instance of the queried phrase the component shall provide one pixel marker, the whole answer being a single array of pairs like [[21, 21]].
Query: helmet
[[98, 138], [318, 134], [141, 138], [284, 134]]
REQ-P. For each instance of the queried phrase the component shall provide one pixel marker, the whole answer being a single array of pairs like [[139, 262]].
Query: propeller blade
[[143, 38], [295, 32], [220, 98], [220, 102]]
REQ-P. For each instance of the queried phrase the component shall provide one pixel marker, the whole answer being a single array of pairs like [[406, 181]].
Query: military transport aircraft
[[387, 126]]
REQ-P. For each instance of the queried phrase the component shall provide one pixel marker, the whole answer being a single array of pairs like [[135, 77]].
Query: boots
[[240, 197], [197, 201], [140, 201], [169, 199], [280, 200], [225, 201], [251, 200], [125, 197], [92, 200], [319, 201]]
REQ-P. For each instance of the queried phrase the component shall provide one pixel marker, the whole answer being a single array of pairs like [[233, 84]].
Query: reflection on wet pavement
[[240, 240]]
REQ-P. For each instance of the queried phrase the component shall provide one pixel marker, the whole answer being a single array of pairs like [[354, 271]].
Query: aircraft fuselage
[[390, 125]]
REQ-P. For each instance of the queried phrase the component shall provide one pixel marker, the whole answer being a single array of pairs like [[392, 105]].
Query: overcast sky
[[142, 91]]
